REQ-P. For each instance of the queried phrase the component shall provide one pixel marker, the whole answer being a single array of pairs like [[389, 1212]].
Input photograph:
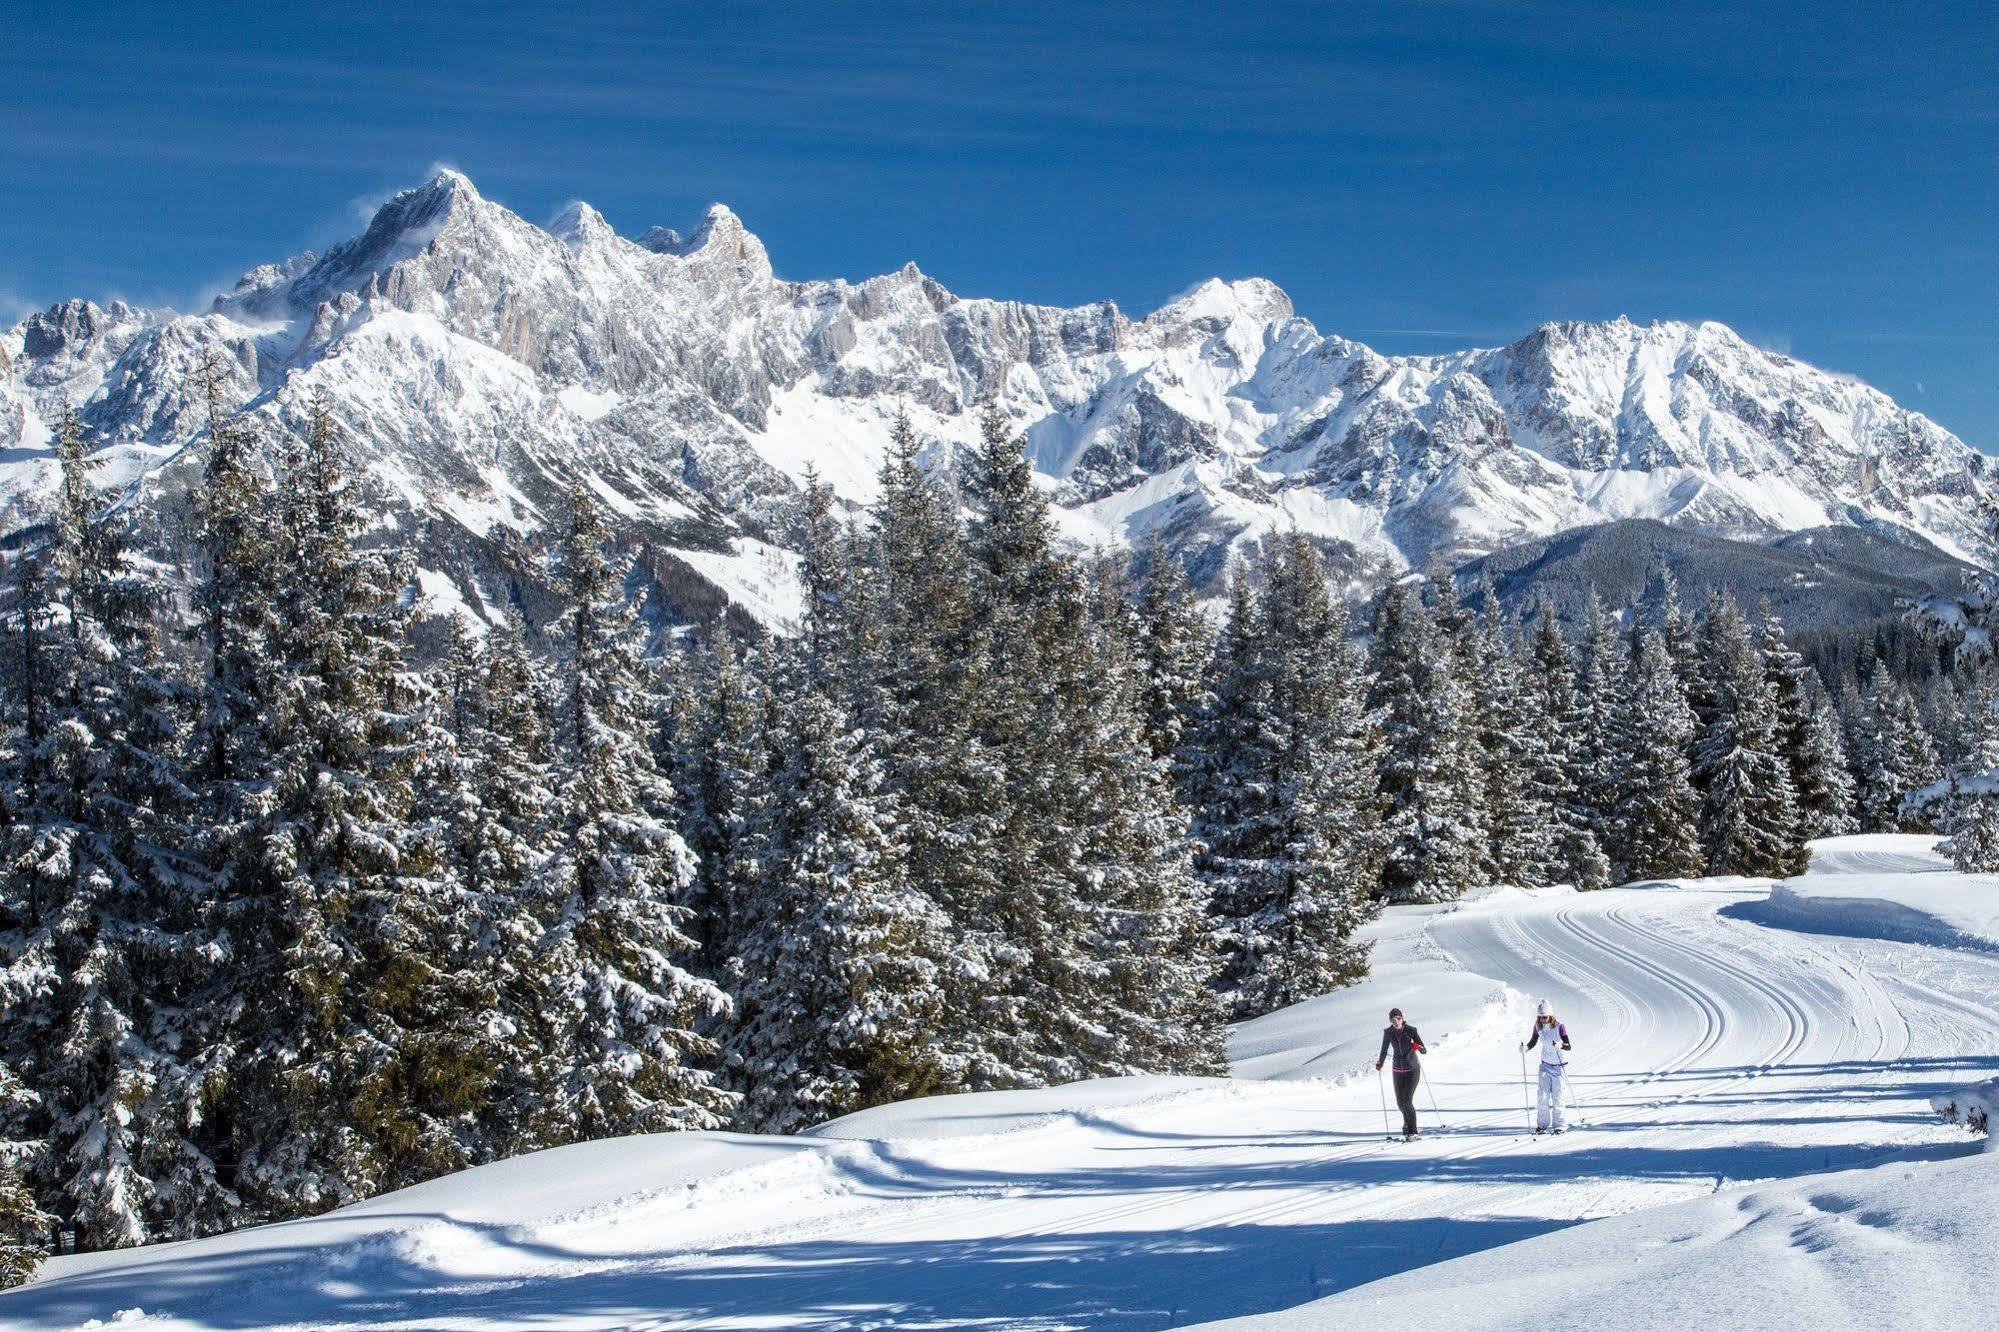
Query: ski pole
[[1526, 1096], [1432, 1093], [1382, 1088]]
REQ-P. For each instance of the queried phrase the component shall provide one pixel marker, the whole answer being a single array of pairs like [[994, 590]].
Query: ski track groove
[[1332, 1202]]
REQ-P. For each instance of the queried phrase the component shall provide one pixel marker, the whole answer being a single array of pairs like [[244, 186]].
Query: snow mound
[[1885, 886], [1861, 1249], [1975, 1107]]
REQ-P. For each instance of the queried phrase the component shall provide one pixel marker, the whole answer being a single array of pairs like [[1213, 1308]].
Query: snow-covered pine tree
[[1830, 813], [1283, 786], [1748, 817], [101, 958], [1176, 640], [1571, 848], [1966, 800], [1660, 812], [1429, 779], [359, 1060], [1231, 789], [1601, 755], [1818, 768], [916, 643], [1891, 753], [24, 1226], [1520, 813], [625, 1055], [236, 618], [488, 776], [1096, 904], [1457, 630], [839, 960], [1330, 848], [1677, 630], [1965, 803], [1155, 959], [720, 762]]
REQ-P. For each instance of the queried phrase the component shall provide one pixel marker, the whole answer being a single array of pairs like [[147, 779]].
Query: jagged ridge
[[481, 363]]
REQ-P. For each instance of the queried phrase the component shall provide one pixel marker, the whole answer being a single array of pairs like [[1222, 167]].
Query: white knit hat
[[1542, 1010]]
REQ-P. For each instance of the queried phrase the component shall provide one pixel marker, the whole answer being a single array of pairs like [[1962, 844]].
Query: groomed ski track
[[1711, 1050]]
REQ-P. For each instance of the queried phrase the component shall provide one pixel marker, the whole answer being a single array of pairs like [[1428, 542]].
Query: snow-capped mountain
[[478, 363]]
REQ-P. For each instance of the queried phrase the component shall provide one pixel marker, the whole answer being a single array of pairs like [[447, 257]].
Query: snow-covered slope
[[1891, 1247], [481, 362], [1712, 1052]]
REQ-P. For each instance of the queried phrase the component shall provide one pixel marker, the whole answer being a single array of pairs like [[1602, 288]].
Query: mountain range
[[477, 365]]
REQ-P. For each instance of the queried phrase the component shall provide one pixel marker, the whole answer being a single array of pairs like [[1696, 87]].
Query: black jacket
[[1407, 1044]]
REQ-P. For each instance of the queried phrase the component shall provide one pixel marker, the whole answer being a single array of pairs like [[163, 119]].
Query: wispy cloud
[[14, 307]]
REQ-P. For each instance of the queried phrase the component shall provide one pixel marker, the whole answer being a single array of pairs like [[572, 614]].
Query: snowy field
[[1723, 1039]]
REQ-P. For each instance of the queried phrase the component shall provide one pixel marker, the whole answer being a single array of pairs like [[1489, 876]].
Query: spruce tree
[[1432, 825], [625, 1055], [839, 960], [915, 634], [1096, 903], [24, 1226], [1176, 640], [99, 956], [1284, 790], [1601, 753], [1659, 813], [1812, 755], [358, 1061], [1966, 801], [1574, 855], [1891, 753], [1748, 812], [1514, 744], [489, 779]]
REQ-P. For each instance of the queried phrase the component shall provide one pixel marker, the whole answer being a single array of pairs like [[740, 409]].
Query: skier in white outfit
[[1553, 1039]]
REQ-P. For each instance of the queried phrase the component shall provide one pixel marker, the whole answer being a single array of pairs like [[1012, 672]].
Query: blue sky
[[1417, 175]]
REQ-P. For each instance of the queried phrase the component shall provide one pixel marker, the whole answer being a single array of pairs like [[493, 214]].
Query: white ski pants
[[1552, 1112]]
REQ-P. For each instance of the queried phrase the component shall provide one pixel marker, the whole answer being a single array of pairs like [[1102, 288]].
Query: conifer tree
[[1891, 753], [1176, 640], [839, 961], [1096, 907], [1514, 744], [1284, 790], [24, 1226], [915, 634], [1748, 811], [356, 1060], [1965, 804], [1573, 853], [626, 1057], [1659, 813], [100, 956], [1601, 757], [490, 779], [720, 762], [1429, 782], [1811, 752]]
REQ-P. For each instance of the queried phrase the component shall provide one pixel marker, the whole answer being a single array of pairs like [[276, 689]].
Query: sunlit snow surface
[[1714, 1049]]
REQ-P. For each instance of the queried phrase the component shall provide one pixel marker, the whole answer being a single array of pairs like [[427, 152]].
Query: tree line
[[289, 917]]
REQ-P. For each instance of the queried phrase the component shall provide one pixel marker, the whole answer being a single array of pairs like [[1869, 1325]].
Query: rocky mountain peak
[[481, 363]]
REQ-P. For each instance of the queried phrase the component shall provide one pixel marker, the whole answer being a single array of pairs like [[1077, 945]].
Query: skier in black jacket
[[1407, 1043]]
